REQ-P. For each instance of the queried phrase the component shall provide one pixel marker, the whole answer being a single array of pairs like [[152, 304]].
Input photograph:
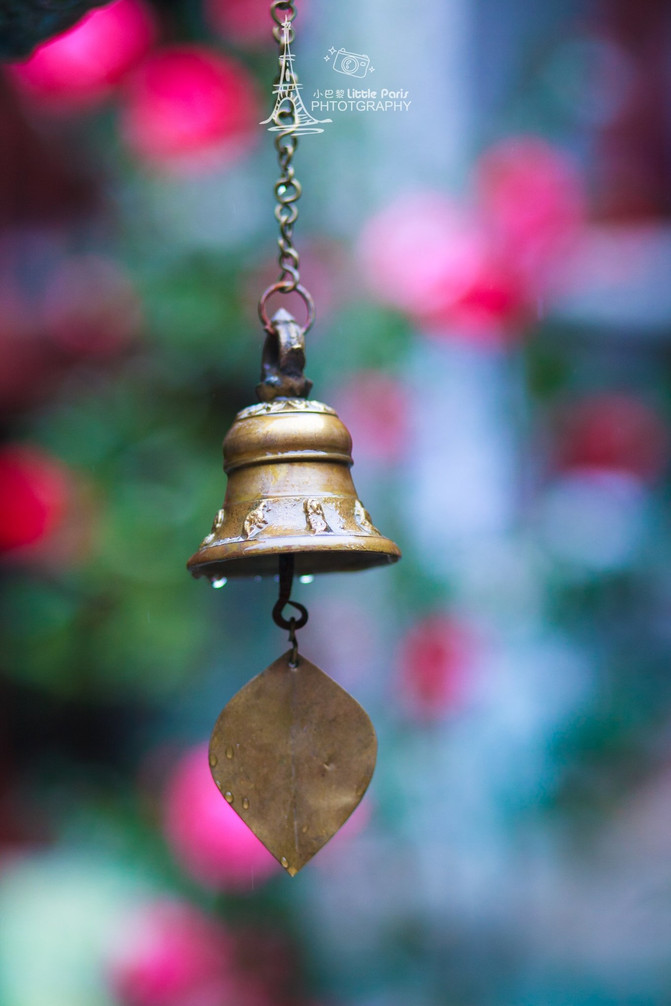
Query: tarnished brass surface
[[289, 491], [293, 754]]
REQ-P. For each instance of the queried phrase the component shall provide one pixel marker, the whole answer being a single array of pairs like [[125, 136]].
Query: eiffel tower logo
[[290, 114]]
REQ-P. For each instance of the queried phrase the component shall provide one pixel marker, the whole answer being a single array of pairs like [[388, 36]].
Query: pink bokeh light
[[435, 262], [90, 306], [81, 67], [188, 107], [35, 492], [421, 253], [375, 408], [435, 666], [171, 954], [615, 432], [244, 22], [533, 204], [207, 837]]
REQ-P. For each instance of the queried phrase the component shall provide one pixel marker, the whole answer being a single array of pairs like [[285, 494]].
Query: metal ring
[[290, 623], [287, 190], [284, 286], [286, 215], [285, 6]]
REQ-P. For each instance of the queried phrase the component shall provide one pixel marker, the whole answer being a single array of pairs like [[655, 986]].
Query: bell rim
[[241, 559]]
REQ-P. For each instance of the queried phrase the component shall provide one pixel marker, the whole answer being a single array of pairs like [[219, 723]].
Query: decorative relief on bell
[[255, 520], [217, 525], [314, 515], [285, 405], [292, 515], [362, 518]]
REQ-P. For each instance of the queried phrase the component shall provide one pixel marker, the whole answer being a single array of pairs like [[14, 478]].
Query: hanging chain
[[287, 187], [287, 192]]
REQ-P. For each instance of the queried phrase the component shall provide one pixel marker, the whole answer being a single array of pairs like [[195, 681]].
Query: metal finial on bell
[[289, 486]]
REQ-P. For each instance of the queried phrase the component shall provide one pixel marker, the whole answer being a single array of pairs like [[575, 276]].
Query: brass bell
[[289, 488]]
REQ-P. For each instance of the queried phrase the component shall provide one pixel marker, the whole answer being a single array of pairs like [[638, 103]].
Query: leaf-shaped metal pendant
[[293, 754]]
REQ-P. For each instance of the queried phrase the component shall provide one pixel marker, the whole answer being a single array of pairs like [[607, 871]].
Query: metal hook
[[286, 582]]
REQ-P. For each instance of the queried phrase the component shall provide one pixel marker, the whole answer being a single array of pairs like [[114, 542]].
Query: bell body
[[289, 491]]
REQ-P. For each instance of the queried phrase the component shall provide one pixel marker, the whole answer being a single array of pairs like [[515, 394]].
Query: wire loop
[[290, 284], [293, 659], [288, 623]]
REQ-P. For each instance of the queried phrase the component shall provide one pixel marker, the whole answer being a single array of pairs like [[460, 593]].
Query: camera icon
[[351, 63]]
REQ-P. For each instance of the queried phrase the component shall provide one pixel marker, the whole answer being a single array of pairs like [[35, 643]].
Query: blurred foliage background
[[490, 265]]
